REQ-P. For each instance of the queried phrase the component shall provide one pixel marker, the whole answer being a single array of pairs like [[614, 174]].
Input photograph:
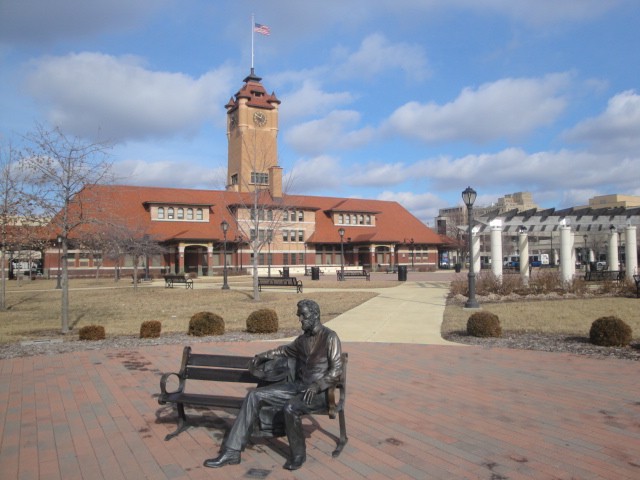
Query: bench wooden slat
[[223, 361], [200, 399], [219, 375]]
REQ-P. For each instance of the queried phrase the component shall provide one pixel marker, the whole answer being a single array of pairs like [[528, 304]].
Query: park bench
[[601, 275], [279, 282], [636, 278], [353, 274], [235, 369], [169, 280]]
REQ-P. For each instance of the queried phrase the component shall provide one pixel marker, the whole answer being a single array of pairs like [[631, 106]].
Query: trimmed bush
[[206, 323], [610, 332], [484, 324], [92, 332], [264, 320], [150, 329]]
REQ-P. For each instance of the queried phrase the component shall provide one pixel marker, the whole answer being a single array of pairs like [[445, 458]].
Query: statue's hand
[[258, 359], [310, 392]]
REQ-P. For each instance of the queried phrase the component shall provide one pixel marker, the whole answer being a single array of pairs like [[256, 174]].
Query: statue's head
[[309, 314]]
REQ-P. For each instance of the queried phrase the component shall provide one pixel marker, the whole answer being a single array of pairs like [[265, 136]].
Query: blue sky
[[406, 100]]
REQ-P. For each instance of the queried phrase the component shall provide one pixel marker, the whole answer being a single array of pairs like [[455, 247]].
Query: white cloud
[[163, 174], [508, 108], [616, 129], [333, 132], [314, 175], [378, 174], [91, 94], [310, 99], [377, 55]]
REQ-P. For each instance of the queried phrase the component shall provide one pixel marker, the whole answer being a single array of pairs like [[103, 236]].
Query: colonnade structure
[[573, 238]]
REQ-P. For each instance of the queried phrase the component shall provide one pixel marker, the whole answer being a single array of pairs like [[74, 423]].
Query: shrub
[[610, 332], [206, 323], [150, 329], [484, 324], [92, 332], [264, 320]]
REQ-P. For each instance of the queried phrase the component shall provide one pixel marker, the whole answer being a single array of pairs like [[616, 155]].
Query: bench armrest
[[333, 405], [163, 386]]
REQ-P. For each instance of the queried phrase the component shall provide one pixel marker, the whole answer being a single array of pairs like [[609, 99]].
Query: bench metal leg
[[182, 423], [343, 435]]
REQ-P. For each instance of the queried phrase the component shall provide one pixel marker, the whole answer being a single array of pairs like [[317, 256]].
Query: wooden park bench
[[279, 282], [198, 367], [169, 280], [353, 274]]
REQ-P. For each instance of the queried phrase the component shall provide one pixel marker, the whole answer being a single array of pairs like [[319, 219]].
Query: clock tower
[[252, 133]]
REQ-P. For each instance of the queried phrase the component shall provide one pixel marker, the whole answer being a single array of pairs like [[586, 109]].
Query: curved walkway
[[414, 411]]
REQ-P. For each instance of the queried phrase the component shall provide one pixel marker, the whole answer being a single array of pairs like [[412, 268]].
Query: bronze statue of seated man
[[318, 366]]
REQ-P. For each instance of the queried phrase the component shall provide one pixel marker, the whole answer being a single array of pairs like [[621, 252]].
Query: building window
[[285, 215], [285, 258], [347, 219], [170, 213], [341, 219], [234, 179], [181, 214], [285, 235], [300, 216], [261, 259], [301, 235], [368, 219], [260, 178], [361, 220], [199, 214], [189, 213], [161, 213]]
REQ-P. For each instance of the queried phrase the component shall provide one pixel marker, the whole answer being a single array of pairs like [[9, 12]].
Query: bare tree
[[61, 167], [257, 214]]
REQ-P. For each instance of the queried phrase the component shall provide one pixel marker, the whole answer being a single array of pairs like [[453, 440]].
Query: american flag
[[263, 29]]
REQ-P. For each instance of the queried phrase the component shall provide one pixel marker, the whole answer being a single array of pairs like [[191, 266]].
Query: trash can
[[402, 273], [285, 272], [315, 273], [458, 267]]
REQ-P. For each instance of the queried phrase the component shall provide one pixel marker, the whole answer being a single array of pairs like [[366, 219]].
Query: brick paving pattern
[[413, 412]]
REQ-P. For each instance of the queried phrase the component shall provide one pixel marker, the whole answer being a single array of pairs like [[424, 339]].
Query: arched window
[[199, 214], [189, 213], [181, 213], [161, 213], [341, 219], [170, 213]]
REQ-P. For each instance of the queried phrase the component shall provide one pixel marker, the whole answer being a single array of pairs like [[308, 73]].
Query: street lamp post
[[59, 240], [224, 225], [469, 197], [269, 239], [585, 255], [412, 247], [341, 233]]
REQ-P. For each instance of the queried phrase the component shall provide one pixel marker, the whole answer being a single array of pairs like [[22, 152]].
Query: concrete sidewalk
[[409, 313]]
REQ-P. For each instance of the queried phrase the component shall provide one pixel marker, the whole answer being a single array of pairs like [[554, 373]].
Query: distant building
[[615, 200]]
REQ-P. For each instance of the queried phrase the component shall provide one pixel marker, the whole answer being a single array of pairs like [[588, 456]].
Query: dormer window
[[199, 214], [189, 213], [161, 213], [181, 214], [170, 213]]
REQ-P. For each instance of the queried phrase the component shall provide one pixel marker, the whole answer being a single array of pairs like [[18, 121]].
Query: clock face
[[260, 119]]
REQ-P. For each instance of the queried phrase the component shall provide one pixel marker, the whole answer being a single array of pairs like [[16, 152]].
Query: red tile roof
[[128, 205]]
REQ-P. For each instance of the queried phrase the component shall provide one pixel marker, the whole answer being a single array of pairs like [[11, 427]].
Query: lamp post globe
[[469, 197], [224, 225]]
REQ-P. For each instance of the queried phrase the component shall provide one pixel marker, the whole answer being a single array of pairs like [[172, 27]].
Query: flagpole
[[252, 34]]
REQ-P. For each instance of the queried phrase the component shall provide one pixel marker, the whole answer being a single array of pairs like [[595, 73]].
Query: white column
[[631, 251], [475, 246], [567, 254], [523, 246], [612, 257], [496, 249]]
